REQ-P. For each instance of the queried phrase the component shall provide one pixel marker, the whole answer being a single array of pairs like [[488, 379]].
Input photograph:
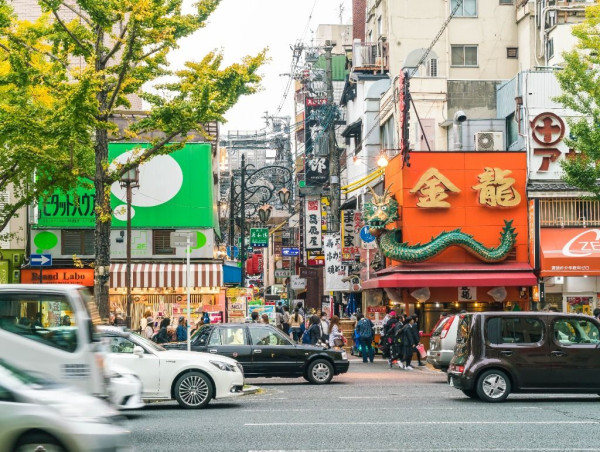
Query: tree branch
[[79, 14], [64, 26], [33, 49], [124, 67], [152, 52], [117, 45]]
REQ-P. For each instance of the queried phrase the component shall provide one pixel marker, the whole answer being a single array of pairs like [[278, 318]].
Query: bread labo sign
[[82, 276]]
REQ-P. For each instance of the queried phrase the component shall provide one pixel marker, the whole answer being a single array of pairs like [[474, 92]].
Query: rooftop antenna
[[341, 13]]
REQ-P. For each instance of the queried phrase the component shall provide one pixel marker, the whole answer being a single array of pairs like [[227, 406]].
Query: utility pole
[[243, 221], [334, 158]]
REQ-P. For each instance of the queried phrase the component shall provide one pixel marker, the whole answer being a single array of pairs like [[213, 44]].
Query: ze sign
[[259, 237]]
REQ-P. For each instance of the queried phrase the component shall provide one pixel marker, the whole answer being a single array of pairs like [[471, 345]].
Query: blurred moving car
[[264, 351], [124, 388], [442, 342], [498, 353], [192, 379], [40, 415]]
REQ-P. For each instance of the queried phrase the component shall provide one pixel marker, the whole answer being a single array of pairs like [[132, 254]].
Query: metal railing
[[562, 213]]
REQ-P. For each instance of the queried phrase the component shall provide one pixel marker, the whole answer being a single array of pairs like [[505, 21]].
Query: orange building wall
[[461, 168]]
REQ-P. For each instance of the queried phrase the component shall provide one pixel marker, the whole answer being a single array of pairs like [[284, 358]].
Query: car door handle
[[506, 352], [212, 350], [257, 351], [558, 353]]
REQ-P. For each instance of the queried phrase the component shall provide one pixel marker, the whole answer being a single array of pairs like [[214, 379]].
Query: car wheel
[[493, 386], [320, 372], [38, 442], [193, 390], [471, 393]]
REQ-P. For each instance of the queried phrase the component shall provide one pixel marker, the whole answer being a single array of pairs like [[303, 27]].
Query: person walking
[[324, 327], [285, 320], [163, 336], [314, 331], [265, 319], [149, 328], [296, 322], [279, 317], [409, 341], [181, 330], [364, 327], [254, 317], [597, 313], [336, 337], [415, 326]]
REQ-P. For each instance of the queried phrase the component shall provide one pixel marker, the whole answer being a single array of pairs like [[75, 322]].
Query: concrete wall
[[477, 98]]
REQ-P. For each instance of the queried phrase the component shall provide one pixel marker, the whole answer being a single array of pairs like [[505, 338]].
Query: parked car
[[37, 414], [193, 379], [498, 353], [264, 351], [442, 342]]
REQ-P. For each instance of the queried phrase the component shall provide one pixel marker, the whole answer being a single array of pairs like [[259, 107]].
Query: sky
[[245, 27]]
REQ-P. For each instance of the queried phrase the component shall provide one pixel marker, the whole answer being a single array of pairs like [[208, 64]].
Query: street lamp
[[264, 213], [129, 180], [284, 196], [382, 161]]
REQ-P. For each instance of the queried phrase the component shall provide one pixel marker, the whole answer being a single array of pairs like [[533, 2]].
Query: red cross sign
[[547, 129]]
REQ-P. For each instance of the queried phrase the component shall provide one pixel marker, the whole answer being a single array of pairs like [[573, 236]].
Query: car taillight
[[457, 369], [446, 328]]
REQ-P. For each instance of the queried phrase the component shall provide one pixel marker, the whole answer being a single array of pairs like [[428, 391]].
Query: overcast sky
[[244, 27]]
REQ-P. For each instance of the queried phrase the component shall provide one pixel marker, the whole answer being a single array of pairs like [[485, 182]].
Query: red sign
[[315, 101], [570, 252], [82, 276]]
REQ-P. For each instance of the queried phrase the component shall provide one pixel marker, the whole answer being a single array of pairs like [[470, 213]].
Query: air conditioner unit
[[489, 141]]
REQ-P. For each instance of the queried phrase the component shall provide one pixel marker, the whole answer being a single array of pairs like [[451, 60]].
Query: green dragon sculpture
[[383, 210]]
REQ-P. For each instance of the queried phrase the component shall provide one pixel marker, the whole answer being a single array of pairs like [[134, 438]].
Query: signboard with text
[[259, 237], [335, 272], [351, 225], [312, 229]]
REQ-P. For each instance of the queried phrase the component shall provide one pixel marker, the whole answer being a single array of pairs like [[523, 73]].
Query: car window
[[575, 332], [200, 337], [233, 336], [267, 336], [514, 330], [118, 344], [48, 319], [438, 330]]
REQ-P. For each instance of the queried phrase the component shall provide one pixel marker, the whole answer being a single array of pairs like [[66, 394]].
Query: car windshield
[[33, 380]]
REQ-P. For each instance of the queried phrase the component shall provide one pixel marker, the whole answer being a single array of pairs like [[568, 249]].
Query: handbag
[[421, 351]]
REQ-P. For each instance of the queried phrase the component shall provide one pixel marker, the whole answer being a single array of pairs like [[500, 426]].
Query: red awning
[[458, 279]]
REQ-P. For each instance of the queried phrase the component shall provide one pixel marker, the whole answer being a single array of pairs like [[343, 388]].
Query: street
[[370, 408]]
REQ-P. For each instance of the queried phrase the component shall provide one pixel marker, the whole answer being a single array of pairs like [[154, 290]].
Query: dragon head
[[381, 211]]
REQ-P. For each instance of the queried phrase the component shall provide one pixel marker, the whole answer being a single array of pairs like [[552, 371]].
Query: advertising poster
[[263, 309], [335, 272], [312, 229]]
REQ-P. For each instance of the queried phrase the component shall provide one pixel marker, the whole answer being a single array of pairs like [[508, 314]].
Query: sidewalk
[[380, 361]]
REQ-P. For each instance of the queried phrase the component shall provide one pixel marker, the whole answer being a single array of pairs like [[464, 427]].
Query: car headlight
[[79, 414], [224, 366], [344, 354]]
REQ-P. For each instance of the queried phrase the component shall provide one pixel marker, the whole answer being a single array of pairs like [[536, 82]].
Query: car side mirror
[[138, 351]]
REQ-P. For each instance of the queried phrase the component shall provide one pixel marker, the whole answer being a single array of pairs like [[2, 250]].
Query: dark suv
[[502, 352]]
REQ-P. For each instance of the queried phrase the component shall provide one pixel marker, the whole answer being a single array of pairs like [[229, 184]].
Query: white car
[[124, 388], [37, 414], [192, 378]]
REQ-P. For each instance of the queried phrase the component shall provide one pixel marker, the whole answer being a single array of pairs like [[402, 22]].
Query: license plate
[[451, 382]]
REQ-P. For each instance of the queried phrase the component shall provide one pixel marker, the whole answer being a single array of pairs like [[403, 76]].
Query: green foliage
[[64, 75], [580, 83]]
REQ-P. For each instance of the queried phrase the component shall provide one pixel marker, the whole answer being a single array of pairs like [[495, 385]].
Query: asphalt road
[[371, 408]]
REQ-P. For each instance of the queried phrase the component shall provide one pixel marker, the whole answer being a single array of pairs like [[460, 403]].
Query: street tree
[[64, 75], [580, 83]]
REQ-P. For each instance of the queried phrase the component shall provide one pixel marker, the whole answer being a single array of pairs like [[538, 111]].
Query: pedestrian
[[181, 331], [597, 313], [265, 319], [364, 329], [279, 317], [387, 337], [324, 327], [409, 341], [254, 317], [388, 315], [336, 337], [285, 320], [206, 318], [415, 326], [162, 337], [389, 322], [172, 333], [296, 321], [300, 309], [149, 328], [144, 321], [314, 330]]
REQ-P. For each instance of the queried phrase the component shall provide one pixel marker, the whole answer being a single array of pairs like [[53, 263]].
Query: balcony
[[570, 213], [370, 57]]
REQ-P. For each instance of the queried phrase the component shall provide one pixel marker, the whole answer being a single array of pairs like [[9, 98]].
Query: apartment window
[[467, 9], [432, 67], [379, 26], [464, 56], [550, 48], [512, 52], [77, 241], [161, 241]]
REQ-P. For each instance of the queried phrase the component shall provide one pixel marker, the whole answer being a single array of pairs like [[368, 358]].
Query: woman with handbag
[[296, 322], [336, 338]]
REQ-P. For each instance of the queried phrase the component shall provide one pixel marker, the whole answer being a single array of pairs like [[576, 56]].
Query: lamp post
[[129, 180]]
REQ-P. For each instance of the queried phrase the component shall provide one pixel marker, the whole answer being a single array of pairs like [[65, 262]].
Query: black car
[[264, 351]]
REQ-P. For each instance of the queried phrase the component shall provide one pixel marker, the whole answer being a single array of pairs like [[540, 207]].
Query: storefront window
[[580, 305]]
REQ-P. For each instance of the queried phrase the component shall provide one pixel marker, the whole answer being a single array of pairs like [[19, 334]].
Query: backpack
[[306, 337], [365, 331]]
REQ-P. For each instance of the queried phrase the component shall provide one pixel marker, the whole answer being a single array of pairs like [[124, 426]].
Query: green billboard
[[175, 191]]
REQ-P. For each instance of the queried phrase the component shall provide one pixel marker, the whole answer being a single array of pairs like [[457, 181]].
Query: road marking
[[349, 409], [428, 449], [280, 424]]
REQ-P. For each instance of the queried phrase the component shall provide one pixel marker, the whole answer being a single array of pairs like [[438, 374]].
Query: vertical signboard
[[335, 272], [351, 225], [312, 228]]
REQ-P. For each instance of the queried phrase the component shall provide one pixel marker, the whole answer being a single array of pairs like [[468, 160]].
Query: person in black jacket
[[314, 330], [410, 338], [162, 337]]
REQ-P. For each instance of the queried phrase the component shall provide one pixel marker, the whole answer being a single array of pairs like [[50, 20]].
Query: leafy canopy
[[63, 75], [580, 83]]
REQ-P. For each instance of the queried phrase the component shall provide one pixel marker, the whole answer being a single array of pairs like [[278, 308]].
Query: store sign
[[547, 130], [175, 191], [287, 251], [570, 251], [82, 276], [316, 170], [312, 228], [297, 283], [467, 293], [282, 273], [351, 226], [315, 259], [259, 237], [335, 271]]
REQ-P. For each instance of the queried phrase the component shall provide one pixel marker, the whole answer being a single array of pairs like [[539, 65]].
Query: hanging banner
[[351, 226], [312, 228], [316, 170], [335, 272]]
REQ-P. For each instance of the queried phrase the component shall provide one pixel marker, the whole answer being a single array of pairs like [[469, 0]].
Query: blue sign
[[233, 251], [41, 260], [290, 251], [365, 235]]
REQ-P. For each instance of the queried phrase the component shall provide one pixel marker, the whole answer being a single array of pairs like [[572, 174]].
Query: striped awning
[[167, 275]]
